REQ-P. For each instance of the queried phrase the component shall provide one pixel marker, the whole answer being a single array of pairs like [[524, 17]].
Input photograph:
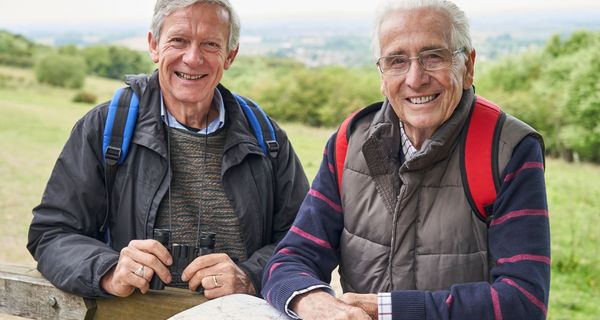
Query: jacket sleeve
[[519, 245], [307, 255], [65, 227], [290, 187]]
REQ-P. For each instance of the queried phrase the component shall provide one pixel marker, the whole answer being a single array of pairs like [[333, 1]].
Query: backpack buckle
[[273, 147], [112, 155]]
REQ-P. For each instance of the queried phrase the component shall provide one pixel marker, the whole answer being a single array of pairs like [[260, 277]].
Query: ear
[[153, 47], [469, 70], [230, 57]]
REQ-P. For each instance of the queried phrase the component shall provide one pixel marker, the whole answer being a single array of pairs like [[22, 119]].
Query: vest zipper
[[394, 221]]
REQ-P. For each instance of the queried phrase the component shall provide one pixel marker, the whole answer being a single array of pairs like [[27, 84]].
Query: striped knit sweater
[[518, 239]]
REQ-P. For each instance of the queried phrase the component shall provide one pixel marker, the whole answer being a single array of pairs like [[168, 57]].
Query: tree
[[61, 70], [115, 62]]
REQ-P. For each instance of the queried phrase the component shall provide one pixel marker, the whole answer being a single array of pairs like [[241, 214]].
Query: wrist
[[308, 300], [106, 282]]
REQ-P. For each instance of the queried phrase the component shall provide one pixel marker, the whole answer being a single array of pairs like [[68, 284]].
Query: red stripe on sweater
[[321, 196], [527, 294], [273, 267], [496, 304], [331, 169], [519, 213], [310, 237], [524, 257], [526, 165], [449, 301]]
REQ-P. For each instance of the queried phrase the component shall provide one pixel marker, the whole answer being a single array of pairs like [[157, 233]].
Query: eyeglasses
[[430, 60]]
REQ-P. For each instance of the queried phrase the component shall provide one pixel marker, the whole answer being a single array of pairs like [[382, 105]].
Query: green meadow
[[35, 121]]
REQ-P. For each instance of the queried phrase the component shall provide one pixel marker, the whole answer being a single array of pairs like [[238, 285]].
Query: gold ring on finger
[[215, 282]]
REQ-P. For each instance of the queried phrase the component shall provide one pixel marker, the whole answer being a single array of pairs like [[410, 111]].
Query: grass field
[[35, 121]]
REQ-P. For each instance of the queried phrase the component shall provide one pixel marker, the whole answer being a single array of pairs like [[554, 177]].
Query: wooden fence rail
[[25, 293]]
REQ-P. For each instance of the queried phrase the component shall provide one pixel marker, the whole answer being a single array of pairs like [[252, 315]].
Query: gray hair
[[459, 25], [164, 8]]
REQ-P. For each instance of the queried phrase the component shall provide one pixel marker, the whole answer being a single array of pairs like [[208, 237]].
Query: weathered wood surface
[[232, 307], [25, 293]]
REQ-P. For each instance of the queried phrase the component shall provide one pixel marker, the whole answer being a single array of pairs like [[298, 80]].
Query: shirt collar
[[407, 147], [213, 126]]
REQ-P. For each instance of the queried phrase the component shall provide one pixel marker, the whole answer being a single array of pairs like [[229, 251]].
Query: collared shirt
[[407, 147], [213, 126]]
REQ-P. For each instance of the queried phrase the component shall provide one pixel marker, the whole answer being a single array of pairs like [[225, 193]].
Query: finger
[[213, 288], [128, 274], [205, 263], [145, 258], [153, 247], [198, 278], [140, 282], [145, 272]]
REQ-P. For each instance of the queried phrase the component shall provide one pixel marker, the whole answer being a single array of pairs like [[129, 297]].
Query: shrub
[[61, 70], [85, 97]]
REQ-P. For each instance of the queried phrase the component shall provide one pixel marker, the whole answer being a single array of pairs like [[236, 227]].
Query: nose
[[193, 56], [416, 75]]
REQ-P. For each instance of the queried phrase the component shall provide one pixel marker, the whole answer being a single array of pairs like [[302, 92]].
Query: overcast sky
[[67, 12]]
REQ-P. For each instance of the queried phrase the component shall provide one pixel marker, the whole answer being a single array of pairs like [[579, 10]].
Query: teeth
[[421, 100], [187, 76]]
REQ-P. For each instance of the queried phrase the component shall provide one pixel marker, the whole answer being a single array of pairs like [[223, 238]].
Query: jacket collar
[[240, 140], [150, 130]]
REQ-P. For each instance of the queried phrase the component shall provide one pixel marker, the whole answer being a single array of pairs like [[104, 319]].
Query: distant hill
[[341, 42], [17, 50]]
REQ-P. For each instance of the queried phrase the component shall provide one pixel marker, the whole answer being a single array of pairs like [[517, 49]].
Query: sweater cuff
[[408, 305]]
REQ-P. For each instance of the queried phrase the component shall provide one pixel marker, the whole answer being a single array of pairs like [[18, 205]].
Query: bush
[[85, 97], [61, 70], [115, 62]]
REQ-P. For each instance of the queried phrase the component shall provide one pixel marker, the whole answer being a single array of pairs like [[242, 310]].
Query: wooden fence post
[[25, 293]]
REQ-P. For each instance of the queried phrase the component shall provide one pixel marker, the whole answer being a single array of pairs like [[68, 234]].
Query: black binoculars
[[182, 255]]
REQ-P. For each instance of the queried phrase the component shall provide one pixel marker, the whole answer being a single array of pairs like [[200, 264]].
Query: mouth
[[423, 99], [186, 76]]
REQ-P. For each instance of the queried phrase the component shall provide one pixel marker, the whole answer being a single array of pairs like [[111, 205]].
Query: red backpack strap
[[341, 148], [341, 140], [479, 157]]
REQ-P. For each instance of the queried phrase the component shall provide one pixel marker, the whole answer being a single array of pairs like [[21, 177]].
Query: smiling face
[[192, 54], [422, 100]]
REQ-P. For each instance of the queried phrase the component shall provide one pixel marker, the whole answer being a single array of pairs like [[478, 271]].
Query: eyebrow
[[402, 52]]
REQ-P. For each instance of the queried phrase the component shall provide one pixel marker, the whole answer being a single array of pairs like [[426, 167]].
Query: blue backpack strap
[[120, 122], [118, 131], [261, 125]]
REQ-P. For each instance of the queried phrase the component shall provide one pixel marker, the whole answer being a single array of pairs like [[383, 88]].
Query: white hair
[[460, 36], [164, 8]]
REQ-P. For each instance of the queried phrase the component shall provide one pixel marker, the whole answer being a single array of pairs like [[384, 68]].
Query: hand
[[318, 304], [367, 302], [137, 263], [219, 276]]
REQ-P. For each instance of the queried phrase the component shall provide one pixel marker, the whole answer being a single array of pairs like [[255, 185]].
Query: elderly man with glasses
[[399, 224]]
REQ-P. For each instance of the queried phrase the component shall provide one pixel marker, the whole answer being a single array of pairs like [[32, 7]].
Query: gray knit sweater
[[197, 193]]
